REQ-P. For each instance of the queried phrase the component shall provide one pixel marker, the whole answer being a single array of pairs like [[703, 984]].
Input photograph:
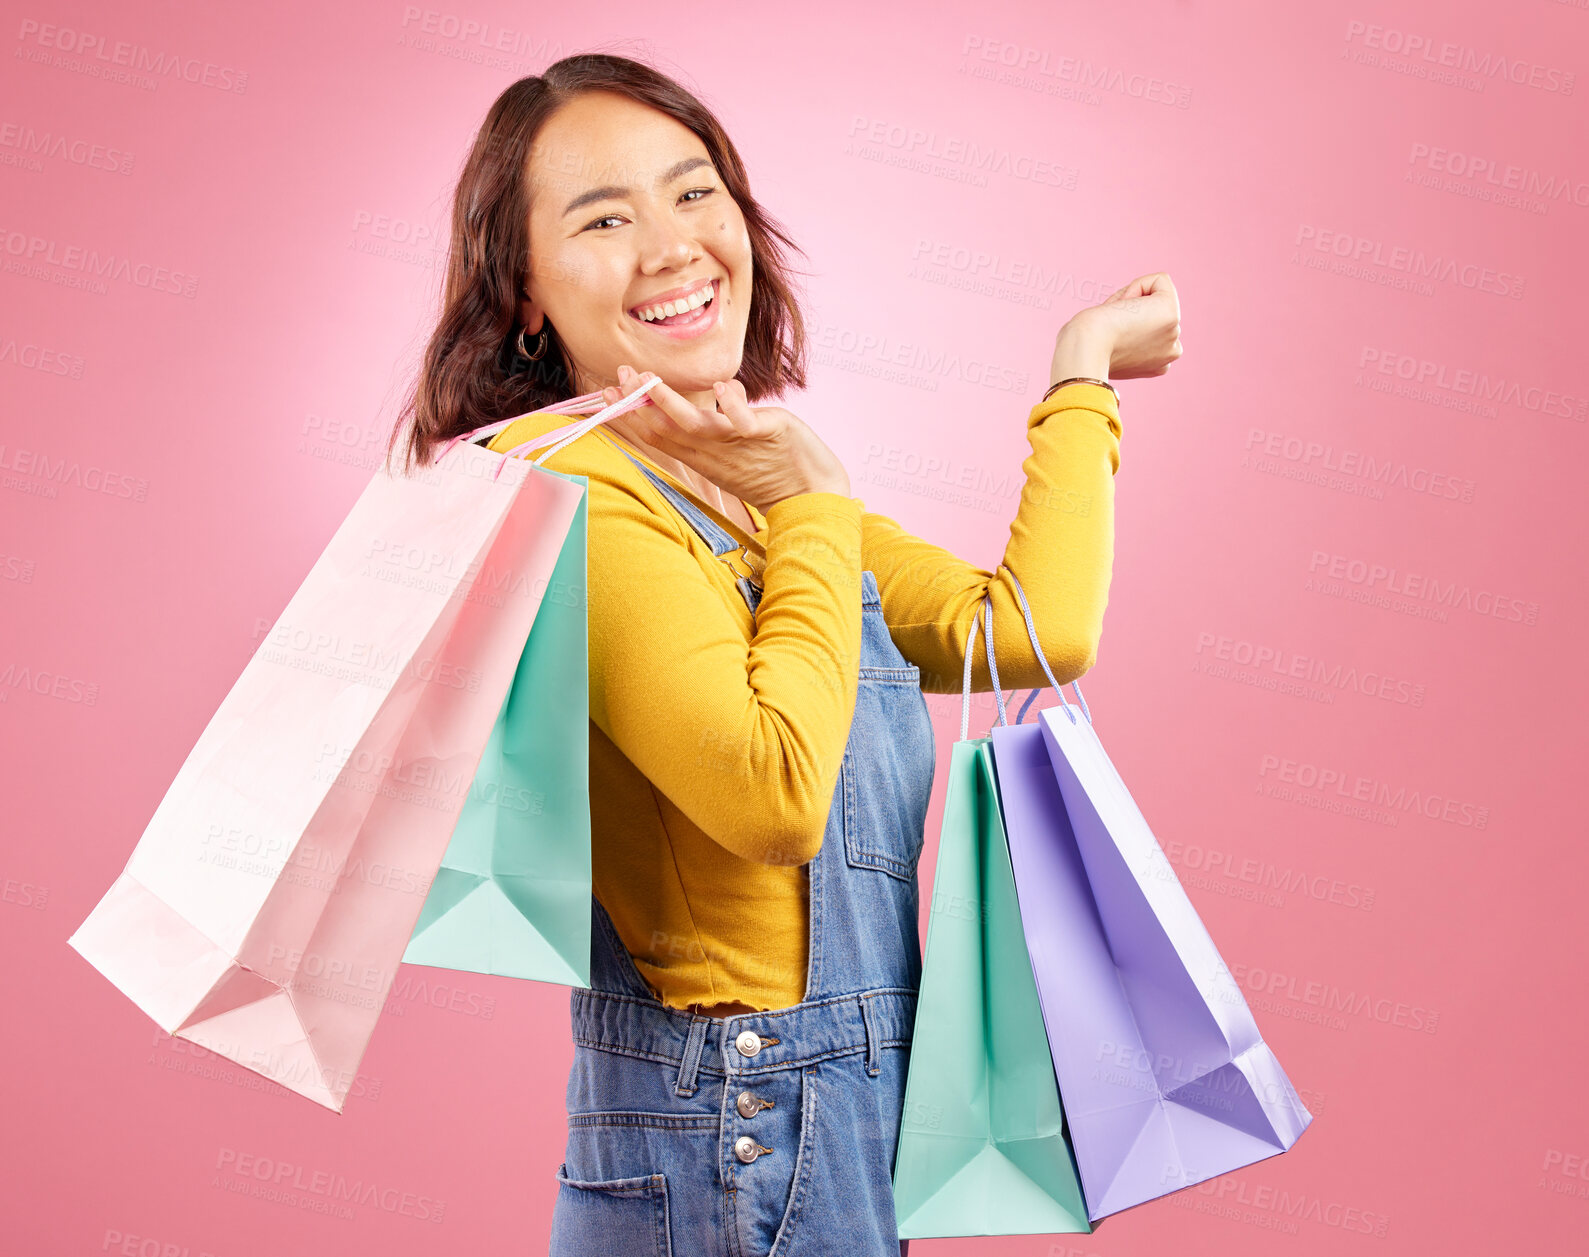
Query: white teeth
[[667, 309]]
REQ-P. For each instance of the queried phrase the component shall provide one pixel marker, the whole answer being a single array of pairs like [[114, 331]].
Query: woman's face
[[627, 212]]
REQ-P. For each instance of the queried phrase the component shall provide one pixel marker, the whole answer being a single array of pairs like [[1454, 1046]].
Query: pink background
[[230, 424]]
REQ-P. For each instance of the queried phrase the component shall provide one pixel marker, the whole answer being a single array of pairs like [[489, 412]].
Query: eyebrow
[[611, 191]]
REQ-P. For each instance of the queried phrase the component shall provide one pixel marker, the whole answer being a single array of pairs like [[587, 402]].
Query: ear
[[531, 315]]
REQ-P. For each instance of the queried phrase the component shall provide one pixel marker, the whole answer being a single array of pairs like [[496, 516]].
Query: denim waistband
[[863, 1021]]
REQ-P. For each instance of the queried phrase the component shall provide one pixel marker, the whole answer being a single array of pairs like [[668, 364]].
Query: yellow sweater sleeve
[[745, 738], [1061, 546]]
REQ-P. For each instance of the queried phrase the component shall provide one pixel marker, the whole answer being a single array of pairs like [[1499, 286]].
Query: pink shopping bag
[[266, 907]]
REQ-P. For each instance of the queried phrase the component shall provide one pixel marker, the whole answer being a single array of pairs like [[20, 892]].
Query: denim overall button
[[748, 1042], [750, 1104], [747, 1149]]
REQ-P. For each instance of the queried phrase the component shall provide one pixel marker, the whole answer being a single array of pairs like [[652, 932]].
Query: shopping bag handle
[[584, 404], [1031, 631], [993, 668]]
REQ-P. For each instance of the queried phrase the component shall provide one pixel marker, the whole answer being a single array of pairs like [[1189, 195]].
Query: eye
[[704, 192]]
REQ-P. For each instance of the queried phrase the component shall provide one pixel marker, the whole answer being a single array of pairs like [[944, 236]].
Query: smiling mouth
[[680, 313]]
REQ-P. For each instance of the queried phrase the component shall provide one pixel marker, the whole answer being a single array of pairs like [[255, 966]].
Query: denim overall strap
[[710, 532], [864, 898], [718, 539], [865, 901], [768, 1132], [613, 970]]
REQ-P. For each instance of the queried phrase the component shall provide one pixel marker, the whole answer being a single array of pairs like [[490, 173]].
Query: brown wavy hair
[[472, 373]]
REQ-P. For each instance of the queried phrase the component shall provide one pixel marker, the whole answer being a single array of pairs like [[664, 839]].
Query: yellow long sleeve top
[[716, 738]]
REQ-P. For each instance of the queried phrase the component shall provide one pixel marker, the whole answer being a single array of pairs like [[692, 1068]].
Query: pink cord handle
[[584, 404]]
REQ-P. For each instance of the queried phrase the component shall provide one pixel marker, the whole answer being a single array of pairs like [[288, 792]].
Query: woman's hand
[[1134, 332], [760, 454]]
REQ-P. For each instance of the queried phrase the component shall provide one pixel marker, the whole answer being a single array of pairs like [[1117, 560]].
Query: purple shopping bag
[[1164, 1076]]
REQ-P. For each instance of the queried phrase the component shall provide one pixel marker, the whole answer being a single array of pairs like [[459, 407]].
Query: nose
[[668, 245]]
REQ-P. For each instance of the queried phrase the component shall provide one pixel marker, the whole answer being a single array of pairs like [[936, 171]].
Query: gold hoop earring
[[540, 346]]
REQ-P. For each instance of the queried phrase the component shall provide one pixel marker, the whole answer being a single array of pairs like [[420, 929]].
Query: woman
[[760, 751]]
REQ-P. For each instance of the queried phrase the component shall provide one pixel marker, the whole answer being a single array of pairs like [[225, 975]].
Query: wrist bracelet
[[1081, 379]]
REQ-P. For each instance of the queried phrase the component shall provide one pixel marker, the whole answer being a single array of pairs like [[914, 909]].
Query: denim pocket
[[887, 770], [620, 1215]]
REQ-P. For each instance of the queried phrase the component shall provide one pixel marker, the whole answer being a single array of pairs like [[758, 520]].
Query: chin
[[696, 376]]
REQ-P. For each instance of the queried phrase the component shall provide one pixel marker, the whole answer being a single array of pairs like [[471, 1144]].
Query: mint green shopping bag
[[513, 894], [983, 1148]]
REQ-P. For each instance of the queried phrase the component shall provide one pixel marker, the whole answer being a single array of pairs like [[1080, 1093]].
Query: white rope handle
[[1031, 632], [993, 668]]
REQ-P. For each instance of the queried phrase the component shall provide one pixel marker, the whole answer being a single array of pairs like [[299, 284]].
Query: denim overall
[[767, 1134]]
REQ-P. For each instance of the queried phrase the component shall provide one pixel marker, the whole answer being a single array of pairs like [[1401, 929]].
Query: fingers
[[673, 414], [1161, 285], [678, 414], [1138, 287], [627, 382], [1156, 284], [1147, 286], [733, 402]]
